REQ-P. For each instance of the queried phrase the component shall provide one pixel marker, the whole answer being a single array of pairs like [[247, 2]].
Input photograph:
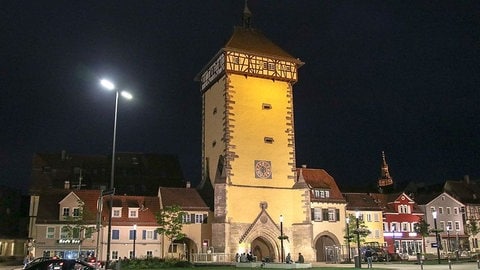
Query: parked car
[[59, 264]]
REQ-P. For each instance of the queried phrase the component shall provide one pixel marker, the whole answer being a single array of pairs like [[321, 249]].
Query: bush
[[152, 263]]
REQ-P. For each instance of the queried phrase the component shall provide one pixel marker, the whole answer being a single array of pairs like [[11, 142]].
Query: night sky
[[398, 76]]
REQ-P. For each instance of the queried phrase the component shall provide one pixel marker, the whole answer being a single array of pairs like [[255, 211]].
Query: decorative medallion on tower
[[263, 169]]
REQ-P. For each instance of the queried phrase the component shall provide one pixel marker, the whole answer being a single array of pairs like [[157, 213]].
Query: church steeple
[[247, 16], [385, 182]]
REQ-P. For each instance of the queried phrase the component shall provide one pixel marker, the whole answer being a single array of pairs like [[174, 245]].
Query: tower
[[385, 182], [248, 147]]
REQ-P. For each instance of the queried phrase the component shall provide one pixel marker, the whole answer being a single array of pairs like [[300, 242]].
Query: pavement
[[399, 266], [408, 266]]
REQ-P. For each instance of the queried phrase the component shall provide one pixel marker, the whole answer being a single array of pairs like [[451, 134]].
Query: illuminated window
[[66, 211], [114, 254], [317, 214], [266, 106], [117, 212]]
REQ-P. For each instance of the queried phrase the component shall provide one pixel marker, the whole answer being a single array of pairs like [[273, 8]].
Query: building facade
[[249, 149]]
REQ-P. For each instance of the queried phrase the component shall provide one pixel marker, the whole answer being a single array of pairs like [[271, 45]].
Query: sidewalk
[[407, 266]]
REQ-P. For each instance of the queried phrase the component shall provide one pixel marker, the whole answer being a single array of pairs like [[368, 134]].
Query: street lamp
[[448, 239], [348, 239], [110, 86], [357, 216], [281, 237], [393, 237], [134, 238], [434, 214]]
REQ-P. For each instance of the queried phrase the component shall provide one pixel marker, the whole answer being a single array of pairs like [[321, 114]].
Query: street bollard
[[421, 265], [478, 264], [449, 264]]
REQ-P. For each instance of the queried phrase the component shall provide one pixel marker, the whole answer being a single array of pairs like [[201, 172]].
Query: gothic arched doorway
[[262, 249], [322, 242]]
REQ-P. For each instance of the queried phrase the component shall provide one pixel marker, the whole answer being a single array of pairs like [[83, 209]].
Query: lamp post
[[110, 86], [348, 239], [281, 237], [357, 216], [134, 239], [393, 237], [448, 239], [434, 214]]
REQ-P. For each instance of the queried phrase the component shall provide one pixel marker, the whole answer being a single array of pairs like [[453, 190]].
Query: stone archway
[[262, 249], [324, 240]]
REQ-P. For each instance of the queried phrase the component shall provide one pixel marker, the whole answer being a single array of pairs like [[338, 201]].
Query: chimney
[[189, 185], [466, 179], [64, 154], [66, 185]]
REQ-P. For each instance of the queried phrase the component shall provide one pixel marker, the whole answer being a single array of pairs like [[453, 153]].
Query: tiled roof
[[464, 191], [147, 207], [186, 198], [319, 178], [386, 201], [253, 41], [361, 202]]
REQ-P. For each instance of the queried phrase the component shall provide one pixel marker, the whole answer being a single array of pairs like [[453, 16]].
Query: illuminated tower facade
[[249, 148], [385, 182]]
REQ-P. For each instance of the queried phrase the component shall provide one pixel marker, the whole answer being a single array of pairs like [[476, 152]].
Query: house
[[449, 219], [467, 192], [67, 223], [369, 211], [327, 206], [400, 214], [135, 173]]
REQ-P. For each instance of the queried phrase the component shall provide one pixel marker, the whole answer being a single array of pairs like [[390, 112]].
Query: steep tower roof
[[385, 182]]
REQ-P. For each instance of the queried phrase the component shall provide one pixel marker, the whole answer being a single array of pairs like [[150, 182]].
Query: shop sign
[[69, 241]]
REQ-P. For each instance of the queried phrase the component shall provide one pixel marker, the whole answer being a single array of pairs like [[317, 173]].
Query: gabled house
[[63, 223], [400, 214], [196, 223], [449, 222], [467, 192], [369, 211], [327, 207]]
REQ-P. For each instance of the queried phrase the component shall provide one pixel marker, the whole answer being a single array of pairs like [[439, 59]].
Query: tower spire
[[247, 16], [385, 182]]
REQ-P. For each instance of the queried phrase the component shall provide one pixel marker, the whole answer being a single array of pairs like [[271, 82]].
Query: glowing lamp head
[[107, 84]]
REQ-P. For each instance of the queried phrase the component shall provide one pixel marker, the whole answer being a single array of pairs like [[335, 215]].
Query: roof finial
[[247, 16]]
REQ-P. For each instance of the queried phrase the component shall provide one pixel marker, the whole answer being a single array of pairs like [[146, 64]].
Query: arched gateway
[[324, 240], [262, 249]]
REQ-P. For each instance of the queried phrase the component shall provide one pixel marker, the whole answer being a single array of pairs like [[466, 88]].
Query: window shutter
[[192, 218], [155, 235], [325, 214], [312, 213], [337, 214], [144, 234], [204, 218]]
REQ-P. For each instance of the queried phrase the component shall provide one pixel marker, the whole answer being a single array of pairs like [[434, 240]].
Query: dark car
[[59, 264]]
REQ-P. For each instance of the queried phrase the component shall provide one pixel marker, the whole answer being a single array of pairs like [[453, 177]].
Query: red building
[[400, 214]]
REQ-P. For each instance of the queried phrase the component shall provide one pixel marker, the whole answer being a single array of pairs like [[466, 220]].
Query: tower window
[[266, 106], [268, 140], [215, 110], [214, 143]]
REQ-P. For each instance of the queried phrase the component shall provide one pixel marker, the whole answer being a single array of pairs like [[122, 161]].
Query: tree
[[170, 220], [422, 228], [472, 229], [352, 229]]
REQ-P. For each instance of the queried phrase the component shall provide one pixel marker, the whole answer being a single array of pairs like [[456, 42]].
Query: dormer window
[[133, 212], [321, 193], [117, 212], [66, 211], [76, 212]]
